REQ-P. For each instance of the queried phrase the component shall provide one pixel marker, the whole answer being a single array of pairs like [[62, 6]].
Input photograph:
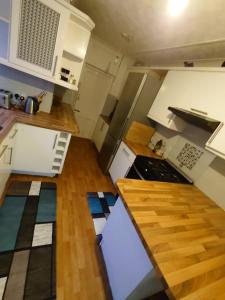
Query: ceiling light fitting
[[175, 7]]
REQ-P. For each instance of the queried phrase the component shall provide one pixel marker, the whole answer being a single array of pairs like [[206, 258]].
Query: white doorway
[[93, 89]]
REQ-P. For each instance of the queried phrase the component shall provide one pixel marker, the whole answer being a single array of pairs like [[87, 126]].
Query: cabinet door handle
[[199, 111], [55, 141], [55, 64], [10, 158], [3, 151], [103, 124], [15, 133], [126, 153], [215, 133]]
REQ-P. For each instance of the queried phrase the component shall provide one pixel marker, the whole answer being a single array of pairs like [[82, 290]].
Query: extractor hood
[[193, 118]]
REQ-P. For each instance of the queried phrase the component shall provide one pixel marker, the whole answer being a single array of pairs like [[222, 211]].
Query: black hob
[[148, 168]]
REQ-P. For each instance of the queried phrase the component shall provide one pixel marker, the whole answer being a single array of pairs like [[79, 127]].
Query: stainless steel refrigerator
[[136, 99]]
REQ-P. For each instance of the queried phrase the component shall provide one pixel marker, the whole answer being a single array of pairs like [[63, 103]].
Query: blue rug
[[100, 205], [28, 241]]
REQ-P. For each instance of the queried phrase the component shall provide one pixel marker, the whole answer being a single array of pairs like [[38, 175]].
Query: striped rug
[[28, 241]]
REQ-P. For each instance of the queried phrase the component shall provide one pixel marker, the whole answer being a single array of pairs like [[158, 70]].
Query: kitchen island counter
[[183, 232], [61, 118]]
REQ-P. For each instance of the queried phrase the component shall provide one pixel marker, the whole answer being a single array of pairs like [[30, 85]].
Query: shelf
[[63, 140], [59, 156], [60, 148], [56, 164], [66, 85], [4, 20]]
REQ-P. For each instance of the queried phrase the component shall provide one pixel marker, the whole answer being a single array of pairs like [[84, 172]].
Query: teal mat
[[10, 217], [47, 206]]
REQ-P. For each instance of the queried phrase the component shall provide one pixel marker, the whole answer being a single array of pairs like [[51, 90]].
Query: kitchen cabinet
[[216, 142], [40, 37], [37, 31], [122, 162], [40, 151], [197, 91], [130, 272], [6, 157], [100, 132]]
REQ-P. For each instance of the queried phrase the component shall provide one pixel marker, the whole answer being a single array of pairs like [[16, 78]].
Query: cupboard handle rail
[[10, 158], [215, 133], [126, 152], [55, 141], [55, 64], [15, 133], [199, 111], [3, 151]]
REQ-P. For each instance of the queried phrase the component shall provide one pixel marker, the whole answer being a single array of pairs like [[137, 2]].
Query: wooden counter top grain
[[139, 149], [138, 138], [183, 232], [61, 118]]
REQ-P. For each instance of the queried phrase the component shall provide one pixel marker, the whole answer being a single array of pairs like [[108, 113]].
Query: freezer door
[[126, 100], [107, 152]]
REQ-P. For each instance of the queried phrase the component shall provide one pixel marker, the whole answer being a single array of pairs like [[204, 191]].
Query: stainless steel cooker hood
[[196, 119]]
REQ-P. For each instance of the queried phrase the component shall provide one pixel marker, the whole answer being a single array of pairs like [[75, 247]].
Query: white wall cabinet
[[37, 31], [6, 157], [122, 162], [216, 142], [39, 37], [191, 90], [100, 132]]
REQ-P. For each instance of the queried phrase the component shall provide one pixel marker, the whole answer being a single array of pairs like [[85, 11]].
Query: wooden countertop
[[61, 118], [139, 149], [184, 233]]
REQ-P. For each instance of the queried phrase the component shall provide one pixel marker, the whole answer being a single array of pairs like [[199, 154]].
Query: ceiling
[[157, 37]]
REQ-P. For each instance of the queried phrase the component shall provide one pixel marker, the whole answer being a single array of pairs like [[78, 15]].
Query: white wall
[[110, 61], [212, 181], [22, 83]]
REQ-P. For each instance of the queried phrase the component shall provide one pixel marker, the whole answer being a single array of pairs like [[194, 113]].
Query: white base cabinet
[[122, 162], [130, 272], [6, 157], [40, 151], [100, 132]]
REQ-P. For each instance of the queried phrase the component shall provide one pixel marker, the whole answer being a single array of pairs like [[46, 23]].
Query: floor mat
[[28, 241], [100, 205]]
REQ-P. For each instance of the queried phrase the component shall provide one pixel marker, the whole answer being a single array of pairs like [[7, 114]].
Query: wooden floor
[[78, 269]]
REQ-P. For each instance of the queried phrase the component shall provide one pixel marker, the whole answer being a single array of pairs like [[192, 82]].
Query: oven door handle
[[139, 174]]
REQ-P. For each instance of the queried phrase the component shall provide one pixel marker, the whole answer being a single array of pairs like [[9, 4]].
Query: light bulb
[[175, 7]]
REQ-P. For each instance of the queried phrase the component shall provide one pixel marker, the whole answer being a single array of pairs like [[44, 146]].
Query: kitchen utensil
[[31, 105]]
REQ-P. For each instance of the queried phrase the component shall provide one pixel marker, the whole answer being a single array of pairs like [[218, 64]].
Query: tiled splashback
[[189, 156], [190, 159]]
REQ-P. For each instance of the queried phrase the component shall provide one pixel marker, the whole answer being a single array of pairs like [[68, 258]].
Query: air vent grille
[[38, 32]]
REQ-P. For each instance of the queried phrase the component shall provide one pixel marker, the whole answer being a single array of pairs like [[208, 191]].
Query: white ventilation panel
[[38, 32]]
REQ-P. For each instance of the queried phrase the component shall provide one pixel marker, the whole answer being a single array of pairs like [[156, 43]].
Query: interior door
[[94, 87], [36, 36]]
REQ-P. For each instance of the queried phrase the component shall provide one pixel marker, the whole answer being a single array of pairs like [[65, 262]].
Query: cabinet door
[[34, 149], [37, 31], [216, 143], [122, 162], [126, 260], [100, 132], [5, 168]]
